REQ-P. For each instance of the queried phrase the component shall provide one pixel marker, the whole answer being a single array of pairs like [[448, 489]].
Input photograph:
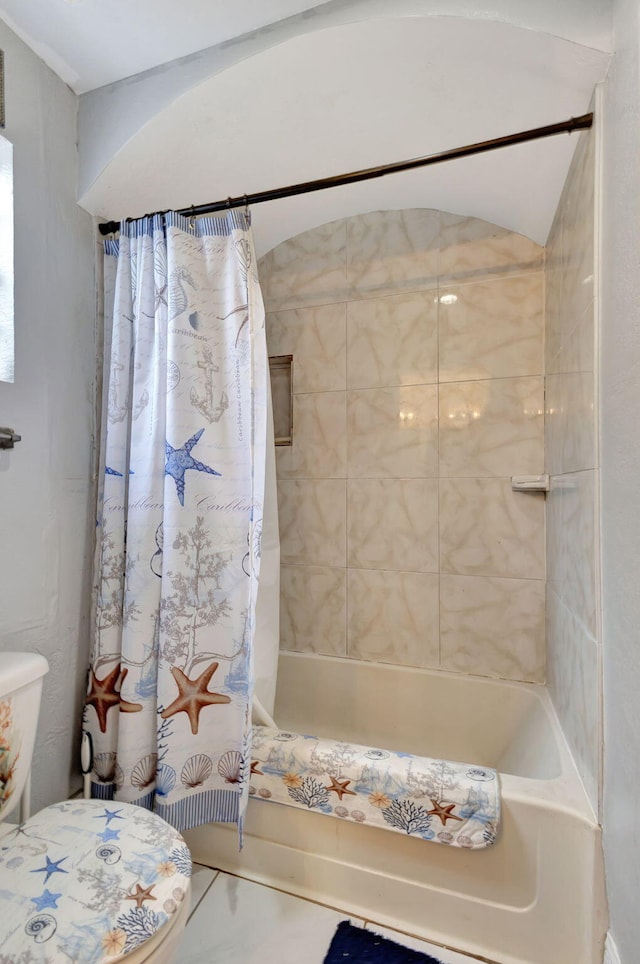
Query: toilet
[[86, 881]]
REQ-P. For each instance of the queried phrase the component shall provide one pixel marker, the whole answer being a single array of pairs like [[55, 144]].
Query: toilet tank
[[20, 689]]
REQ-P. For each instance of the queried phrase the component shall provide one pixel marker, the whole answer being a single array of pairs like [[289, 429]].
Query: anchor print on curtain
[[179, 518]]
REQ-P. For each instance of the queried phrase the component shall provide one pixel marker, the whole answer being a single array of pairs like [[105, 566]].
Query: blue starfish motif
[[179, 460], [109, 471], [109, 815], [47, 899], [108, 835], [51, 868]]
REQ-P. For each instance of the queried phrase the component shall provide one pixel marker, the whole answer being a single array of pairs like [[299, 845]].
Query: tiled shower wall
[[571, 455], [417, 339]]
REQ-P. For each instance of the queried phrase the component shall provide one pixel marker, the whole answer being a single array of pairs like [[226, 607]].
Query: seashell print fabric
[[88, 881], [179, 520], [456, 804]]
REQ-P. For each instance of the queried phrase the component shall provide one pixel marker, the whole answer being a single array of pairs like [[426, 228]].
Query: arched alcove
[[357, 95]]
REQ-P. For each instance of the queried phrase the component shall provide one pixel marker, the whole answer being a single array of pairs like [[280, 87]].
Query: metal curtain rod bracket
[[583, 122]]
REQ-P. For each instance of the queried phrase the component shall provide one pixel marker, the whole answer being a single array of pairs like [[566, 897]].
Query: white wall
[[45, 488], [620, 441]]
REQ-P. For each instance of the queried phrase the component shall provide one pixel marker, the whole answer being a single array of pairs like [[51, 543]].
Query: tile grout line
[[216, 874]]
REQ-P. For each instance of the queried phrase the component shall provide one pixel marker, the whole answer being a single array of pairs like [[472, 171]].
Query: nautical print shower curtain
[[179, 518]]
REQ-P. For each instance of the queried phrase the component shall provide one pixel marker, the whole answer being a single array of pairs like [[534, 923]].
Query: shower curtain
[[183, 454]]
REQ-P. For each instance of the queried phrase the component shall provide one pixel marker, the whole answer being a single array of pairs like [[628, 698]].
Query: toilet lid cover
[[88, 881]]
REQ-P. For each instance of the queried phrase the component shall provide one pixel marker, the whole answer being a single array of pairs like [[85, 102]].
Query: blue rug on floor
[[354, 945]]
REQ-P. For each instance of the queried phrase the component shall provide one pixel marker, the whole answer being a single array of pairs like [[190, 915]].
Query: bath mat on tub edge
[[354, 945]]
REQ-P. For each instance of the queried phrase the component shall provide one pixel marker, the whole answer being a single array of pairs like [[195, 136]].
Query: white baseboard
[[611, 955]]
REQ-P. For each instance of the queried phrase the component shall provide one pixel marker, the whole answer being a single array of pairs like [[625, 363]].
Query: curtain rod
[[583, 122]]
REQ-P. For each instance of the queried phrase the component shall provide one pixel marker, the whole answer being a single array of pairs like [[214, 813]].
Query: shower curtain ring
[[192, 216]]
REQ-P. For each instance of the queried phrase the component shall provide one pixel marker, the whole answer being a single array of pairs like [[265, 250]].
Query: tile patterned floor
[[235, 921]]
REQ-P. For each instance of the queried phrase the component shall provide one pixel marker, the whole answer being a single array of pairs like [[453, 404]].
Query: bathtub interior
[[491, 723], [535, 897]]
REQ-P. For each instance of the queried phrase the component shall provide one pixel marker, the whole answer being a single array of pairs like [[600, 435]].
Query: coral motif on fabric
[[448, 803], [178, 522], [75, 898]]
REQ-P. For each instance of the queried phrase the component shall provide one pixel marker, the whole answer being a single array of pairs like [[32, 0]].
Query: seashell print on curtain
[[183, 449]]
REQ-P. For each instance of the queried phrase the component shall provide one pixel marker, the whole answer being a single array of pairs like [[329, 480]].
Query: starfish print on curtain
[[193, 696], [174, 593], [179, 460], [103, 695]]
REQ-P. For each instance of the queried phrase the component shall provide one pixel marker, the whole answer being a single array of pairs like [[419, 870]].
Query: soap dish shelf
[[530, 483]]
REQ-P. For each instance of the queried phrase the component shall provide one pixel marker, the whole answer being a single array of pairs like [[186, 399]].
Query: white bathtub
[[535, 897]]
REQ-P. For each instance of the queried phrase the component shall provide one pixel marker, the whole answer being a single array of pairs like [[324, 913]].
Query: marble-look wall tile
[[555, 543], [553, 314], [471, 249], [576, 354], [312, 517], [313, 610], [393, 524], [573, 674], [491, 330], [316, 337], [492, 428], [571, 517], [319, 448], [393, 617], [309, 269], [392, 341], [487, 529], [492, 627], [578, 277], [356, 303], [570, 422], [393, 432], [577, 206], [580, 561], [571, 254], [392, 249], [571, 455]]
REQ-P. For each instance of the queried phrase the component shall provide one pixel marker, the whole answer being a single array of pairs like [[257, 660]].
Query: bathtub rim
[[565, 791]]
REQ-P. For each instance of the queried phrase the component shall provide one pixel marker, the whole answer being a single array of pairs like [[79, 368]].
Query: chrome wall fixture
[[8, 438]]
